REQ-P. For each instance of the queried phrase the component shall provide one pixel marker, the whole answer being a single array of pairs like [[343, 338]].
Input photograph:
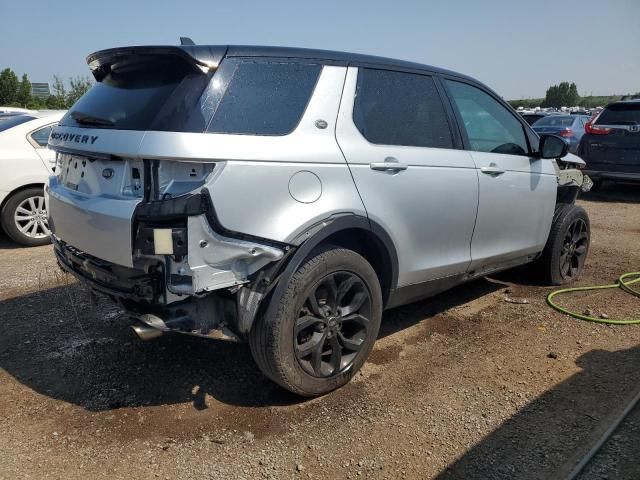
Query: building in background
[[40, 90]]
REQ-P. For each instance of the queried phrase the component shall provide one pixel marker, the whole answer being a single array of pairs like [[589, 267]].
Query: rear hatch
[[612, 141], [99, 177]]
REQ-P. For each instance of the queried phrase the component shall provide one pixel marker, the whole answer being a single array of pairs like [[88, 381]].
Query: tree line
[[565, 94], [17, 93]]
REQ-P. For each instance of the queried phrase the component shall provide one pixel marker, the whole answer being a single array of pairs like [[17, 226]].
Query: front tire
[[563, 258], [24, 218], [325, 325]]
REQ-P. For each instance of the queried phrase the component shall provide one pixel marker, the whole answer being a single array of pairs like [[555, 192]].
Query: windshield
[[9, 121], [620, 114], [555, 121]]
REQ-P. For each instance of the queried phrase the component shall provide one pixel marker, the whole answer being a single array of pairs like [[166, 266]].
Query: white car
[[16, 110], [25, 165]]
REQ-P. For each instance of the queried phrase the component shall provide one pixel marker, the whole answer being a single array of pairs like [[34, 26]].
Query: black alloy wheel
[[332, 324], [574, 249]]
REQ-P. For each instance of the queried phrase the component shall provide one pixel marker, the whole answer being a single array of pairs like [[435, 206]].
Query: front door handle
[[492, 170], [390, 164]]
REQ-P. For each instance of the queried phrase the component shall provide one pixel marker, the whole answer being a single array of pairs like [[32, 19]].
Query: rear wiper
[[87, 119]]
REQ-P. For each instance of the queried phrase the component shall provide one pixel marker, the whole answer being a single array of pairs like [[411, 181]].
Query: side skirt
[[421, 291]]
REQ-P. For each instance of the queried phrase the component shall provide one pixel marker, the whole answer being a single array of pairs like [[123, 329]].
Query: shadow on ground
[[547, 438], [400, 318], [72, 346], [7, 244]]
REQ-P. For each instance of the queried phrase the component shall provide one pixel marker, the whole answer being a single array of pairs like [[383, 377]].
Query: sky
[[517, 47]]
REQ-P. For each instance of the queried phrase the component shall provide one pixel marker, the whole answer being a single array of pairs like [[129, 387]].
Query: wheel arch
[[360, 234], [19, 189], [355, 232]]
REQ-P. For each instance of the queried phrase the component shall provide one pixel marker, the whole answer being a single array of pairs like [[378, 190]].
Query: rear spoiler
[[201, 57]]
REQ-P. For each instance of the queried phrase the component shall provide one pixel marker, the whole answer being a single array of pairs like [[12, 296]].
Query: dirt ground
[[465, 385]]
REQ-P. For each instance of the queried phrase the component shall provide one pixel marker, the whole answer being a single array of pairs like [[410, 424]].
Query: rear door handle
[[390, 164], [492, 169]]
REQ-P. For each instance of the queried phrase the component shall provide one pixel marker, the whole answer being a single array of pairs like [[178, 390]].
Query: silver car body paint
[[415, 206], [219, 262], [96, 224], [515, 208], [444, 215]]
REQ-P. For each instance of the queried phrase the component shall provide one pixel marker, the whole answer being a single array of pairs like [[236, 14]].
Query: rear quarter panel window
[[264, 98], [398, 108]]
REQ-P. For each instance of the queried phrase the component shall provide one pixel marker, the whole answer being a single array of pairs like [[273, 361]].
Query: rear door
[[517, 190], [613, 144], [395, 133]]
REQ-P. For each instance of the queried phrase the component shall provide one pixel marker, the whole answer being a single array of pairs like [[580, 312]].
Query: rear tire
[[563, 258], [24, 218], [325, 325]]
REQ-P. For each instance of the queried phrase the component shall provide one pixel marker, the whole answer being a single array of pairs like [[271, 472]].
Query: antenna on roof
[[186, 41]]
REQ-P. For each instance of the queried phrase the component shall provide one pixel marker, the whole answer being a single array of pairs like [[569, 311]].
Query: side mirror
[[552, 146]]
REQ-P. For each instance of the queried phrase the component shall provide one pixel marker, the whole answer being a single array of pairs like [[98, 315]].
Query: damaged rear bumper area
[[183, 275]]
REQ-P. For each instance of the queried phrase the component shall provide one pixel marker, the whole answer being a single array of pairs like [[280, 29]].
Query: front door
[[517, 190]]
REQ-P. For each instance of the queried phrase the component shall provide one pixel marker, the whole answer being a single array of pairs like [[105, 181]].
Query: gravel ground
[[465, 385]]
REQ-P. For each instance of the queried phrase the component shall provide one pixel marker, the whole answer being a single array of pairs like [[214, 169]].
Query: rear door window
[[398, 108], [489, 125], [263, 98]]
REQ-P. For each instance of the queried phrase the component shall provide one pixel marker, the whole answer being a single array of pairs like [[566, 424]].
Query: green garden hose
[[622, 283]]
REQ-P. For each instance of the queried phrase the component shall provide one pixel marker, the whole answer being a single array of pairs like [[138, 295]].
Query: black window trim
[[269, 60], [531, 136], [449, 114], [30, 139]]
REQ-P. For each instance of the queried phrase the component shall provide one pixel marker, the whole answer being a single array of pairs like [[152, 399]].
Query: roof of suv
[[631, 101], [207, 54], [331, 56]]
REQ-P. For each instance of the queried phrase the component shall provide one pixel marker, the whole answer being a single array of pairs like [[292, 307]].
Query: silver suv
[[286, 197]]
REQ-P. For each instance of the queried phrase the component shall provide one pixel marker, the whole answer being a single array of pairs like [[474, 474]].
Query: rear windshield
[[620, 114], [244, 96], [12, 120], [143, 94], [555, 121]]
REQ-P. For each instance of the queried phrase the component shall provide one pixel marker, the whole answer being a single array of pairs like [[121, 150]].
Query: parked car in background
[[25, 165], [569, 127], [532, 118], [9, 114], [611, 143], [16, 110]]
